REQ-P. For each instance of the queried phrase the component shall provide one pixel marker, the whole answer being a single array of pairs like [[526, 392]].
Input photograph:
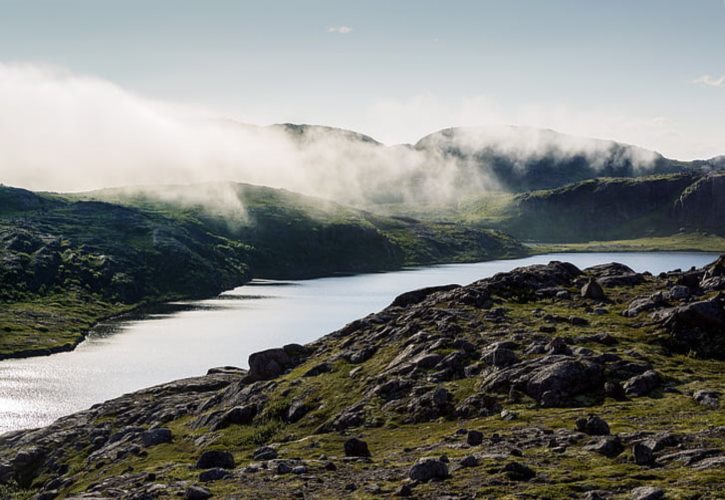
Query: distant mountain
[[456, 162]]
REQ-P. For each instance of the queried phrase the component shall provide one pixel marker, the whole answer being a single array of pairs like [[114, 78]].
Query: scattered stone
[[640, 385], [265, 453], [593, 290], [518, 472], [239, 415], [215, 458], [508, 415], [428, 469], [356, 448], [469, 461], [610, 446], [197, 493], [642, 454], [474, 438], [707, 398], [405, 490], [500, 356], [318, 369], [297, 410], [647, 493], [152, 437], [299, 469], [282, 468], [214, 474], [592, 425], [614, 390]]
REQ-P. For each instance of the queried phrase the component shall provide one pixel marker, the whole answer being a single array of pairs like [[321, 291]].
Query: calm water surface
[[186, 338]]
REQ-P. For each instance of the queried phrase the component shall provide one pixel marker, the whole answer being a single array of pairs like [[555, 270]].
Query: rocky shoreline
[[544, 382]]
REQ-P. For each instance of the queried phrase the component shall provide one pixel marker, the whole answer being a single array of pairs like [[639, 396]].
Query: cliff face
[[611, 209], [702, 205], [548, 381]]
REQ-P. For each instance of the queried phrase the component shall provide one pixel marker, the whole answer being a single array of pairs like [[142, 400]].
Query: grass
[[696, 242], [51, 323]]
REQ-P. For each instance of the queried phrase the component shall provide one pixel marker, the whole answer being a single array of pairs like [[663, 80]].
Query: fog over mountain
[[95, 134]]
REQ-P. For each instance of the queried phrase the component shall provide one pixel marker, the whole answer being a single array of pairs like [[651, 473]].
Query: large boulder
[[272, 363], [564, 379], [698, 327], [428, 469]]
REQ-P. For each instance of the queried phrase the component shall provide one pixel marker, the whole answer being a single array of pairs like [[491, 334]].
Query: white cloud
[[710, 81], [342, 30]]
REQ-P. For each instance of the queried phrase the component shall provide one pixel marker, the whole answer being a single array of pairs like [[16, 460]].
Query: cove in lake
[[187, 338]]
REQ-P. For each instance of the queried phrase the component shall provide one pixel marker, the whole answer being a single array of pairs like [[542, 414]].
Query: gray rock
[[469, 461], [215, 458], [299, 469], [239, 415], [518, 472], [197, 493], [474, 438], [152, 437], [214, 474], [297, 410], [428, 469], [647, 493], [500, 356], [640, 385], [271, 363], [642, 454], [593, 290], [707, 398], [610, 446], [265, 453], [592, 425], [356, 448]]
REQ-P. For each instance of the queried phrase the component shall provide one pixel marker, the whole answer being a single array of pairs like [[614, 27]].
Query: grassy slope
[[70, 261]]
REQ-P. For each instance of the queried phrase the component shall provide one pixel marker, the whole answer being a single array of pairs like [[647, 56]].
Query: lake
[[187, 338]]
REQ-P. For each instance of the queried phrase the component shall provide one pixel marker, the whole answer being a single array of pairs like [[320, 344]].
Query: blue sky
[[626, 70]]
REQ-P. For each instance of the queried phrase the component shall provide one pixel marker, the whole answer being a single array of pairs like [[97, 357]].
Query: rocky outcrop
[[493, 385]]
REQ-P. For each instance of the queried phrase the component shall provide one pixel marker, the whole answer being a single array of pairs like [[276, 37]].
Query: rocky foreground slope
[[545, 382]]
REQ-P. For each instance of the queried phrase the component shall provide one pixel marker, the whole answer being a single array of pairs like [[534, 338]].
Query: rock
[[642, 454], [152, 437], [610, 446], [518, 472], [299, 469], [647, 493], [469, 461], [679, 292], [474, 438], [697, 327], [428, 469], [707, 398], [642, 304], [558, 346], [593, 290], [416, 296], [596, 495], [197, 493], [239, 415], [215, 458], [297, 410], [265, 453], [563, 378], [271, 363], [614, 390], [282, 468], [500, 356], [214, 474], [26, 464], [639, 385], [356, 448], [508, 415], [318, 369], [592, 425], [478, 405], [405, 490]]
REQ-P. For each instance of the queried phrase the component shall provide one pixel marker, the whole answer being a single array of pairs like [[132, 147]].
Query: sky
[[648, 72]]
